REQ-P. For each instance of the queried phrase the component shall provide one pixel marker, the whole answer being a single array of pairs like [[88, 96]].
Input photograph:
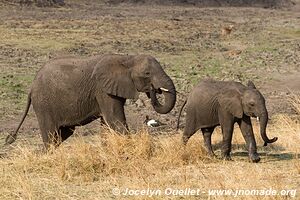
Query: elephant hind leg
[[186, 136], [60, 135], [48, 132], [207, 132], [189, 130], [57, 136]]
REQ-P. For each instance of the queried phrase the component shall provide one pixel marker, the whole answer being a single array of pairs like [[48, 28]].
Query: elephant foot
[[212, 155], [185, 139], [227, 157], [254, 158]]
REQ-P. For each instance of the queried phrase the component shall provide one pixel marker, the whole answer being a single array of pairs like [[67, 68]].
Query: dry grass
[[90, 167], [295, 101]]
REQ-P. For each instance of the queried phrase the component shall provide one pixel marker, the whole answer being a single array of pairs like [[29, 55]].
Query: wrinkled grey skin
[[69, 92], [212, 103]]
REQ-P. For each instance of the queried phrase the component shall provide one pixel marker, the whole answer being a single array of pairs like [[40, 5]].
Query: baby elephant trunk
[[263, 119]]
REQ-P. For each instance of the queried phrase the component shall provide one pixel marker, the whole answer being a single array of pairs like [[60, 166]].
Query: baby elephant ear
[[230, 100], [251, 85], [114, 78]]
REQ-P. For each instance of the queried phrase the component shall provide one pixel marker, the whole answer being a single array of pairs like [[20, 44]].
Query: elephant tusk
[[164, 89], [257, 118]]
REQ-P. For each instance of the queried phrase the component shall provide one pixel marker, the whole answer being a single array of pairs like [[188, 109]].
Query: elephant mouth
[[251, 114], [156, 90]]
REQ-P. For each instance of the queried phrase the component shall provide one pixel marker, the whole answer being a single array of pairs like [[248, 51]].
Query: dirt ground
[[263, 46]]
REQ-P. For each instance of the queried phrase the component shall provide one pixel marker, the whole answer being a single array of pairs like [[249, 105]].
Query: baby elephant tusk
[[164, 89]]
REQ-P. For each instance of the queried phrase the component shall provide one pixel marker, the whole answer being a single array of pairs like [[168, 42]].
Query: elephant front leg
[[227, 124], [207, 140], [112, 108], [247, 131]]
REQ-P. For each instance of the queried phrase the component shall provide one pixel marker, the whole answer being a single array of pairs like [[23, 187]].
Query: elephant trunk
[[263, 120], [169, 92]]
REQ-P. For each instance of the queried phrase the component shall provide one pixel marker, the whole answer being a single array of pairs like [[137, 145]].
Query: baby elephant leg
[[190, 126], [189, 130], [207, 139], [227, 131]]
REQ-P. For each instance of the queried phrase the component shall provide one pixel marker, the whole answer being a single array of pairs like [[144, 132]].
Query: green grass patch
[[213, 67], [14, 88], [286, 33]]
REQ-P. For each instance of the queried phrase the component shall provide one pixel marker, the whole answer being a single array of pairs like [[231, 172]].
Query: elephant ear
[[251, 85], [230, 100], [113, 76]]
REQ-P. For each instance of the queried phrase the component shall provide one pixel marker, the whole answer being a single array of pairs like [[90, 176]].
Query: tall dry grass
[[90, 167]]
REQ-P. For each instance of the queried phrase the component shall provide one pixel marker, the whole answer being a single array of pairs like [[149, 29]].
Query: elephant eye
[[252, 104], [147, 74]]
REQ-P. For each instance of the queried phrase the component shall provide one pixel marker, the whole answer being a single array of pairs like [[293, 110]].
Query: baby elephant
[[212, 103]]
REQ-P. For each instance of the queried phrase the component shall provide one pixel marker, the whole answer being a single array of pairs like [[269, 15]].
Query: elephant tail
[[177, 127], [12, 137]]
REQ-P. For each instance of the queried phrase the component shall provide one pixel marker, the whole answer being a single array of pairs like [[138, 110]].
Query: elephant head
[[254, 106], [125, 76], [251, 103]]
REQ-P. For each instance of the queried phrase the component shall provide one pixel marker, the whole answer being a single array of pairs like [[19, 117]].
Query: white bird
[[152, 122]]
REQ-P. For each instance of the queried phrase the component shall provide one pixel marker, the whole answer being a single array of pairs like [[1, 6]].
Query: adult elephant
[[69, 92], [212, 103]]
